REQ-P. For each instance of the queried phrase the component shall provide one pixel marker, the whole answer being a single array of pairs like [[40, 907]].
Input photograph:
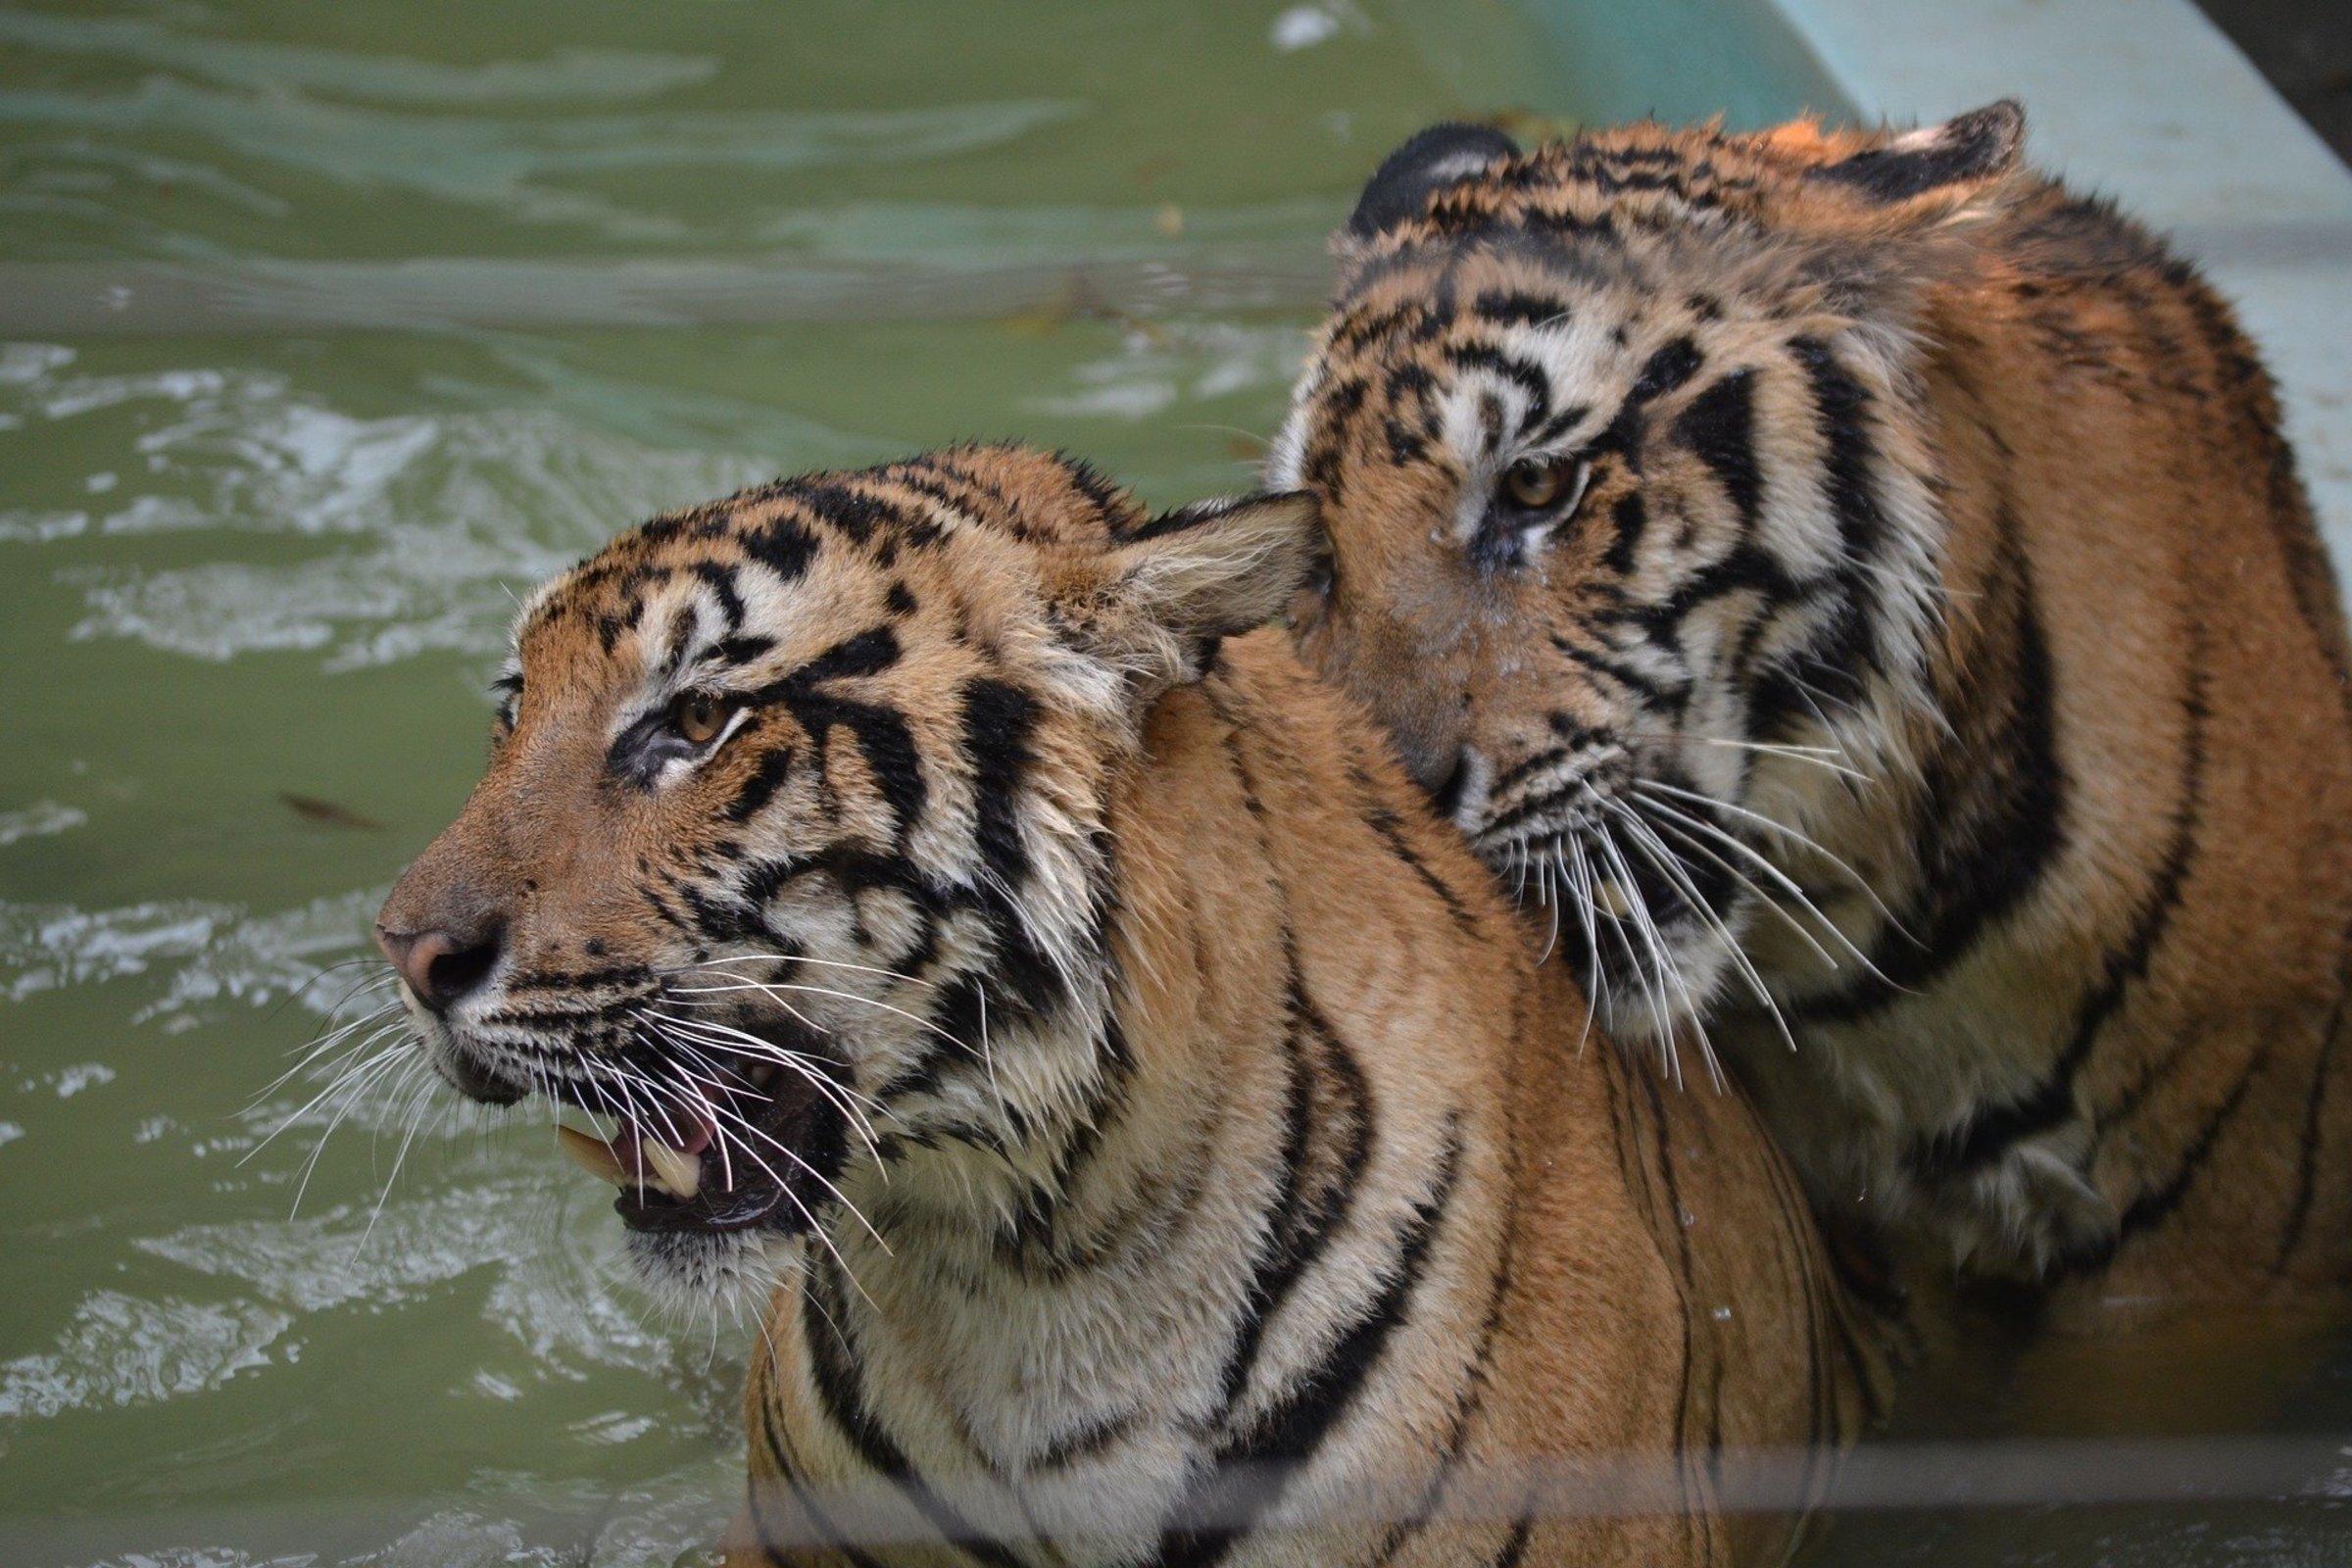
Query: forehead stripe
[[782, 546], [1513, 308]]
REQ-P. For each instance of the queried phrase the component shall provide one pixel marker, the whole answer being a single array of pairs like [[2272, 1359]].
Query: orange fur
[[1938, 524], [1294, 1164]]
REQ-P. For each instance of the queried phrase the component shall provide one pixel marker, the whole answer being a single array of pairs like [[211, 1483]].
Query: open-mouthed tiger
[[1158, 1138], [1860, 589]]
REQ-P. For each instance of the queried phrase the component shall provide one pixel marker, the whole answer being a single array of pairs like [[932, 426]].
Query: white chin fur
[[1630, 1010], [688, 1273]]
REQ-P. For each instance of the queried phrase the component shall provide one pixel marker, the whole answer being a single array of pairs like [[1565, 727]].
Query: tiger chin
[[1857, 593], [1148, 1118]]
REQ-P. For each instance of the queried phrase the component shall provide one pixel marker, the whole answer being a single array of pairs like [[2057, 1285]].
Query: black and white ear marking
[[1982, 144], [1438, 156]]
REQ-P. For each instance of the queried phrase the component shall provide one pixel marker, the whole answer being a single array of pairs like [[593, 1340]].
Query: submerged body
[[1165, 1147], [1882, 571]]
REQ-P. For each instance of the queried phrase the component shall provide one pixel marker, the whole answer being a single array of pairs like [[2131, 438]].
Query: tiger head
[[1634, 545], [790, 858]]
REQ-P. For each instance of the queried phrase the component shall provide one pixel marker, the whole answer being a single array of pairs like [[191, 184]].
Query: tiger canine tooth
[[1611, 897], [680, 1175], [593, 1155]]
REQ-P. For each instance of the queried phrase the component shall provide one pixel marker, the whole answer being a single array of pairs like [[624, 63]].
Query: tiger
[[1857, 594], [1151, 1125]]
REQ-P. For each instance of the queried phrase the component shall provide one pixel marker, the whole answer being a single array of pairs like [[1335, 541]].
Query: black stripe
[[781, 544], [1992, 1131], [2298, 1212], [1181, 520], [1084, 1443], [1843, 407], [957, 1015], [1632, 516], [818, 1521], [761, 788], [882, 736], [837, 1389], [868, 653], [1470, 1400], [1525, 374], [1744, 569], [1255, 1467], [1390, 825], [1556, 426], [1719, 426], [1992, 812], [1362, 324], [1326, 1143], [1664, 370], [1673, 698], [1107, 500], [854, 512], [997, 720], [743, 650], [1515, 308], [2156, 1204], [1662, 1136]]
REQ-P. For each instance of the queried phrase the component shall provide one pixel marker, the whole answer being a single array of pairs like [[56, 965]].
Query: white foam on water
[[211, 952], [40, 820], [430, 522], [1173, 362], [122, 1350]]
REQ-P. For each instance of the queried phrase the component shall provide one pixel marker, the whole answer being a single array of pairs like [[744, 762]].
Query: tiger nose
[[443, 967]]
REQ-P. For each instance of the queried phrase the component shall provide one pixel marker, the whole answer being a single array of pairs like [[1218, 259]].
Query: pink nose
[[441, 966]]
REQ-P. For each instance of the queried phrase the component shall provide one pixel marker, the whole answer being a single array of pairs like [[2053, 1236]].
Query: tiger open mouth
[[755, 1150], [739, 1144]]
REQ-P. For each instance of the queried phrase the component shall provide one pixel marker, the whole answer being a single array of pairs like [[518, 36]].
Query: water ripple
[[564, 74], [122, 1351], [448, 509], [211, 951], [515, 168]]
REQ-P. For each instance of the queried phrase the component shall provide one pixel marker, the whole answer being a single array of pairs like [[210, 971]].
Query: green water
[[256, 543], [246, 550]]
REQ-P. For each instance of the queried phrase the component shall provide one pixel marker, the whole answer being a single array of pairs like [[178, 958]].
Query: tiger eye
[[1533, 484], [698, 717]]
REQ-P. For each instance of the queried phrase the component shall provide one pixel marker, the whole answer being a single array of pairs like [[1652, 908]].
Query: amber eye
[[1539, 484], [698, 717]]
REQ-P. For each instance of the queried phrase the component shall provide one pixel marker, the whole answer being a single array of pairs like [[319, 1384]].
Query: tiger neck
[[1088, 1279]]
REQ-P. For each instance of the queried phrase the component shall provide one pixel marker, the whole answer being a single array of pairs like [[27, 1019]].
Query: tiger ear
[[1936, 168], [1156, 603], [1402, 184]]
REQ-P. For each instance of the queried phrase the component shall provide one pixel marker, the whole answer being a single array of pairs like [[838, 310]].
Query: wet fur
[[1273, 1155], [1968, 500]]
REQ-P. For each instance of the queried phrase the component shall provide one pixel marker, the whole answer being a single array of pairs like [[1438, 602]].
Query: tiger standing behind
[[1865, 587], [1165, 1148]]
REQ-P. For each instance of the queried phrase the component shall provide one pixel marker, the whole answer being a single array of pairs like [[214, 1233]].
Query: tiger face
[[1632, 544], [789, 852]]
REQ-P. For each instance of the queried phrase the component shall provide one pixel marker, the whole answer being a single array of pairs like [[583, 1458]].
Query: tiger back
[[1158, 1137], [1862, 589]]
